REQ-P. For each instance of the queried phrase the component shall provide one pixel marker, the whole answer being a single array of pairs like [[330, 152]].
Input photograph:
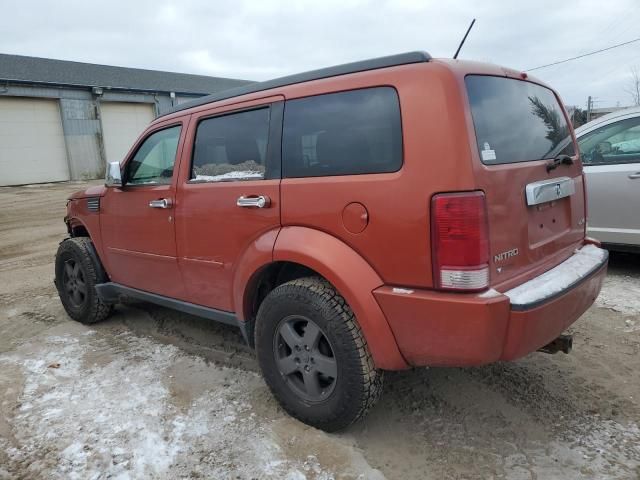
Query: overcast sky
[[258, 40]]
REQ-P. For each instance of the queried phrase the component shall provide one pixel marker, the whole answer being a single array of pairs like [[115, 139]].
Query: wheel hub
[[305, 358], [74, 283]]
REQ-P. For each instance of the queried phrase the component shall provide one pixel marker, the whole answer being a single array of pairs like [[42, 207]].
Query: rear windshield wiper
[[559, 160]]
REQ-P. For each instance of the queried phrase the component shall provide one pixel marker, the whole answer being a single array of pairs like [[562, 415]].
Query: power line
[[583, 55]]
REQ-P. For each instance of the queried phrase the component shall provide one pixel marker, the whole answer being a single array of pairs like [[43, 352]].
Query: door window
[[154, 161], [618, 142], [231, 147]]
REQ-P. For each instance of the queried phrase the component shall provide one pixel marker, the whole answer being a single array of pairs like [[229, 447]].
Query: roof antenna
[[464, 38]]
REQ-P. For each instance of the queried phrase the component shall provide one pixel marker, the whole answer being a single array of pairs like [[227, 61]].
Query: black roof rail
[[360, 66]]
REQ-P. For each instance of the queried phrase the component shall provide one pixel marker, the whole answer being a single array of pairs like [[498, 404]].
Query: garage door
[[122, 123], [32, 148]]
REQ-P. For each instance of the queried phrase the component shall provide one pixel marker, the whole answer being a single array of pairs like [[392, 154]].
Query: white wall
[[32, 146], [122, 123]]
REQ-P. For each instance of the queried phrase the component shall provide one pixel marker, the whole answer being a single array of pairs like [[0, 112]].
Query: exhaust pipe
[[564, 343]]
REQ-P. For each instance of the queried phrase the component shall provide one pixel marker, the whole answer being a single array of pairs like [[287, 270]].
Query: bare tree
[[633, 87]]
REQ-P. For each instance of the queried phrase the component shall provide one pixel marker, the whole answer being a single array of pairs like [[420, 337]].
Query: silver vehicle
[[610, 150]]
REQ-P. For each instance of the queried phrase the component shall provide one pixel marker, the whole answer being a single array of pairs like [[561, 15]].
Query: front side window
[[614, 143], [344, 133], [154, 161], [516, 121], [231, 147]]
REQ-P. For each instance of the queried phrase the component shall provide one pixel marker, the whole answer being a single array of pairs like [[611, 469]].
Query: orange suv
[[395, 212]]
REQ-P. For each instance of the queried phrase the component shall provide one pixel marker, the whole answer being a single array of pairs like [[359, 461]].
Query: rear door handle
[[633, 176], [161, 203], [258, 201]]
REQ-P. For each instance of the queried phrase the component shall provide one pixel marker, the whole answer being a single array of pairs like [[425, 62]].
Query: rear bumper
[[452, 329]]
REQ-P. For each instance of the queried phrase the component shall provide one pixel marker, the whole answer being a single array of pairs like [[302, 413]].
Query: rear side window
[[516, 121], [231, 147], [344, 133]]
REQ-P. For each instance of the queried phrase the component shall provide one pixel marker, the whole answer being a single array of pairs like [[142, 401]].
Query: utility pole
[[589, 105]]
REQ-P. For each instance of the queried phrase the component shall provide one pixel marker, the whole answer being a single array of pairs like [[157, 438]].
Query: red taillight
[[460, 241]]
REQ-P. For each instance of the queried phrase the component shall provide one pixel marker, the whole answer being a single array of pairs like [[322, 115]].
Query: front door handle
[[161, 203], [633, 176], [259, 201]]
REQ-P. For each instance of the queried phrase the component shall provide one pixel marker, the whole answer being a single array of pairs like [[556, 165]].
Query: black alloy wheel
[[74, 283], [305, 358], [78, 271], [314, 356]]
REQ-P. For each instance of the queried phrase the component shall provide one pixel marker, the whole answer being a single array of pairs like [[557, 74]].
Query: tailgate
[[531, 176]]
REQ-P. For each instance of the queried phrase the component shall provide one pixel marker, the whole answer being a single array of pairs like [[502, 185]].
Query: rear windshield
[[516, 121]]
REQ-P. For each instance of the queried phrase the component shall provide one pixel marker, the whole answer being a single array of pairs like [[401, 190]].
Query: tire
[[332, 384], [77, 274]]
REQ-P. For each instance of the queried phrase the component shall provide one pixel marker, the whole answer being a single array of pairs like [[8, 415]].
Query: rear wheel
[[77, 274], [314, 356]]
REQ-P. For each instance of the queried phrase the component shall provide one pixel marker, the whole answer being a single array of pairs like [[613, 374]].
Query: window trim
[[599, 164], [141, 142], [272, 161], [368, 87]]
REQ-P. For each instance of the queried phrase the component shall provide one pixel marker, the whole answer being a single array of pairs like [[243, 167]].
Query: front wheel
[[77, 274], [314, 356]]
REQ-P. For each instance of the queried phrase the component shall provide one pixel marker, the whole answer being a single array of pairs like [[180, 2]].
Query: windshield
[[516, 121]]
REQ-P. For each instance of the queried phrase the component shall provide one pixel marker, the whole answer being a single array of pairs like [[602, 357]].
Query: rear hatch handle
[[559, 160]]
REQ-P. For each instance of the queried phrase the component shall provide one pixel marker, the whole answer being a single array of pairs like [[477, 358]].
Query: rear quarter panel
[[396, 241], [354, 279]]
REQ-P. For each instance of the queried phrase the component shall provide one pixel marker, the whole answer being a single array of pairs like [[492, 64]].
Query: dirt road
[[151, 393]]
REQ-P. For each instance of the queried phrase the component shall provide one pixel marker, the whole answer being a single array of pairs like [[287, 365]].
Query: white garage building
[[63, 120]]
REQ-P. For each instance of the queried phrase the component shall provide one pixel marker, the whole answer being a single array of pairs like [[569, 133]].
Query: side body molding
[[352, 276]]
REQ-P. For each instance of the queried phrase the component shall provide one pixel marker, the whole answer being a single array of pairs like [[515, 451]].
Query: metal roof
[[344, 69], [21, 69]]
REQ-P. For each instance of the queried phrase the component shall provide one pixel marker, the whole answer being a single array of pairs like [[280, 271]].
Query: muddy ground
[[151, 393]]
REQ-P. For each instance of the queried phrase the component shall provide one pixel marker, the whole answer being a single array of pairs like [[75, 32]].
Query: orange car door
[[137, 219], [228, 195]]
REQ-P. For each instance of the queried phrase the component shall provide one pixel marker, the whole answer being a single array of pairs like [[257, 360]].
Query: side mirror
[[113, 178]]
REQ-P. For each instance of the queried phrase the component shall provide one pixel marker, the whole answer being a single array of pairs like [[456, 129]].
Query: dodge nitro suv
[[385, 214]]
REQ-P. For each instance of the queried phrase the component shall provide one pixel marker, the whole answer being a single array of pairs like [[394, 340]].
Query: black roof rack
[[361, 66]]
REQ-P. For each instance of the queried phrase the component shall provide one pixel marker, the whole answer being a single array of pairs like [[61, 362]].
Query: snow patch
[[229, 176], [86, 414], [558, 278], [604, 446], [109, 411], [403, 291], [490, 294], [620, 293]]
